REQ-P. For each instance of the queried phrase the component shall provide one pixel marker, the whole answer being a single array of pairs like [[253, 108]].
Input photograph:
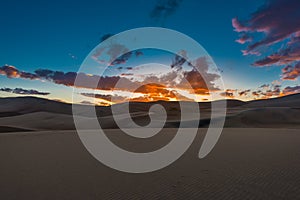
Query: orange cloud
[[290, 72], [153, 88]]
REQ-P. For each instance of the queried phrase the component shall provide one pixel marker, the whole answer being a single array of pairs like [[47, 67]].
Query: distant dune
[[31, 113]]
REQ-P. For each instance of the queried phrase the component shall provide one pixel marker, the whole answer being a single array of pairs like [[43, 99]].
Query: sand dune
[[31, 113], [245, 164], [50, 162], [267, 118], [291, 101]]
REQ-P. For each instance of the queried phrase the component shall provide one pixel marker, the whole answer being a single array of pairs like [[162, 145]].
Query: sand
[[245, 164], [257, 156]]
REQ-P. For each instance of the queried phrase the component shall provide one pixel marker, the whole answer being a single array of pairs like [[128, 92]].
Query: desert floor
[[245, 164]]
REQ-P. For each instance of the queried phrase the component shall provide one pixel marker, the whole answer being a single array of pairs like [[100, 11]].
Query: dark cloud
[[202, 82], [279, 21], [117, 53], [23, 91], [57, 77], [268, 91], [149, 92], [244, 92], [291, 72], [163, 9], [271, 93], [6, 89], [87, 81], [138, 53], [86, 103], [291, 90], [125, 57], [229, 93], [106, 97], [256, 93], [127, 74], [264, 86], [191, 81], [195, 82], [179, 60], [122, 59], [68, 78]]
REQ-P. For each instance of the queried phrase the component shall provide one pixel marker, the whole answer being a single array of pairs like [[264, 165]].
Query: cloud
[[106, 97], [24, 91], [148, 92], [291, 90], [179, 60], [163, 9], [279, 21], [264, 86], [86, 80], [68, 78], [266, 91], [57, 77], [87, 103], [117, 53], [156, 92], [164, 87], [244, 38], [127, 74], [201, 83], [13, 72], [244, 92], [272, 93], [291, 73], [290, 53], [256, 93], [229, 93]]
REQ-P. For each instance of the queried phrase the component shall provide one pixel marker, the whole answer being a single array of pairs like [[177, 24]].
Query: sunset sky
[[255, 45]]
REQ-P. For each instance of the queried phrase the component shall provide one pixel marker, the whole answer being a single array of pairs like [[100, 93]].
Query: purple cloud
[[279, 21], [291, 90], [244, 38]]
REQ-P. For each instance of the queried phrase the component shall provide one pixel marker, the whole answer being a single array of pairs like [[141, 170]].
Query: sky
[[255, 44]]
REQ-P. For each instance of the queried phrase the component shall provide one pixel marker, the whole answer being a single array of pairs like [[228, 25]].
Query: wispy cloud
[[163, 9]]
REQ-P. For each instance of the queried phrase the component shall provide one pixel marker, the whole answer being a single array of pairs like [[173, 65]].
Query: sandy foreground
[[245, 164]]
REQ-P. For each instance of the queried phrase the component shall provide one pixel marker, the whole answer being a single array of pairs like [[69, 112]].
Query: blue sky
[[58, 35]]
